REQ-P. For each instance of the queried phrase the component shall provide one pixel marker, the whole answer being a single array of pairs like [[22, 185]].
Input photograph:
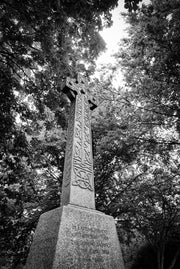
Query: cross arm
[[92, 102], [74, 86], [70, 88]]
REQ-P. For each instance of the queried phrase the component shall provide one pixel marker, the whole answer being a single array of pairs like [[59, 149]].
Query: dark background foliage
[[135, 128]]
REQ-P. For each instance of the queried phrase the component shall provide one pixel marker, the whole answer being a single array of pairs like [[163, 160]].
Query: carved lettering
[[93, 242]]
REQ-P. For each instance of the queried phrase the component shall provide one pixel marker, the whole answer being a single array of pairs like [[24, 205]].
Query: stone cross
[[78, 178], [76, 235]]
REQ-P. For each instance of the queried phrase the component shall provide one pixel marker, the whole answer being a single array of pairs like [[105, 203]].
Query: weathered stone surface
[[77, 238], [78, 177], [75, 235], [41, 255]]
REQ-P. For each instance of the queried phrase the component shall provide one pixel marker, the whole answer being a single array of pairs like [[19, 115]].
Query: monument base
[[77, 238]]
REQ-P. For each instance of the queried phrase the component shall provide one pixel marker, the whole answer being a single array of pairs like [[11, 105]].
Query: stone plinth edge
[[77, 238]]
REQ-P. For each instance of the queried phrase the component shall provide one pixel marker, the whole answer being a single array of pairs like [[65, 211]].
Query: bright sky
[[113, 34]]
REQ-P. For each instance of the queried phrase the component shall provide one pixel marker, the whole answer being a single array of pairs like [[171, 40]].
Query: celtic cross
[[78, 178]]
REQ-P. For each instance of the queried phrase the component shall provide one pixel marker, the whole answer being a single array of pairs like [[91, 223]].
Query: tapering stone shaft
[[78, 178], [75, 235]]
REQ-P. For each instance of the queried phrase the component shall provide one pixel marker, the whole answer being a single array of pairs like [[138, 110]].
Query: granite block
[[77, 238]]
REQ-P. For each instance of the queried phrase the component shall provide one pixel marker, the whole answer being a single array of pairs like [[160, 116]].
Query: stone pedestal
[[77, 238]]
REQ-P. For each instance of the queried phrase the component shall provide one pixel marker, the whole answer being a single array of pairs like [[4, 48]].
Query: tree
[[140, 145], [41, 42], [150, 61], [135, 182]]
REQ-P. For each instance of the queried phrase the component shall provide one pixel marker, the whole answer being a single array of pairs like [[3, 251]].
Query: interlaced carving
[[78, 161], [82, 160]]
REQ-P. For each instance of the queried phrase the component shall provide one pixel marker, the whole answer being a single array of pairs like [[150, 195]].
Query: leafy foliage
[[135, 129], [41, 42], [142, 137]]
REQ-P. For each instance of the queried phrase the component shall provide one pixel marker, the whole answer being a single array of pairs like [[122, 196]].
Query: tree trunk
[[174, 259], [160, 257]]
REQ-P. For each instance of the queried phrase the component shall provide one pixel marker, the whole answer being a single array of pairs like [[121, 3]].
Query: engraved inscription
[[94, 243]]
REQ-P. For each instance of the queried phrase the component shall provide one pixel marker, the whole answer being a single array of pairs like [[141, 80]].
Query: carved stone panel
[[82, 156], [78, 177]]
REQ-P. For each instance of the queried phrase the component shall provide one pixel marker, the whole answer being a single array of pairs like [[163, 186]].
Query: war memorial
[[76, 235]]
